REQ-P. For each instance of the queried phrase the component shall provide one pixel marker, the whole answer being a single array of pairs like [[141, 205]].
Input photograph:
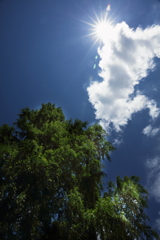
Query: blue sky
[[48, 54]]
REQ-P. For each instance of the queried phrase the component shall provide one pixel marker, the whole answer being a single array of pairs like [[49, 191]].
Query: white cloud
[[157, 223], [153, 163], [126, 57], [153, 178], [155, 188], [149, 131], [153, 182], [117, 141]]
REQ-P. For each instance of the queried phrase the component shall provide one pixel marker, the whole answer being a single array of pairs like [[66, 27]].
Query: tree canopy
[[51, 182]]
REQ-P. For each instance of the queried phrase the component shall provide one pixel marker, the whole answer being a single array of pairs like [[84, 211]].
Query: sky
[[53, 51]]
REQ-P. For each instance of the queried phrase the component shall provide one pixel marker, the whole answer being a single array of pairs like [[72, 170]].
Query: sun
[[101, 29]]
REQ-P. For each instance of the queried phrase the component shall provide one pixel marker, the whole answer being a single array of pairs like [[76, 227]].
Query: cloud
[[153, 178], [126, 57], [153, 182], [149, 131], [157, 223], [117, 142]]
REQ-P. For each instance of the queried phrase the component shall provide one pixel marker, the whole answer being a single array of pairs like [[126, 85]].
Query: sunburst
[[101, 29]]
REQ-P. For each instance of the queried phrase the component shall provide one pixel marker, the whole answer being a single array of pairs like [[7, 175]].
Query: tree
[[51, 182]]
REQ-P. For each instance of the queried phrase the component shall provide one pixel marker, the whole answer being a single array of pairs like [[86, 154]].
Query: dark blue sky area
[[43, 56], [46, 56]]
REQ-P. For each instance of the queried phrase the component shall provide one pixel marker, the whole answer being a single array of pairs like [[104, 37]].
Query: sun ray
[[100, 28]]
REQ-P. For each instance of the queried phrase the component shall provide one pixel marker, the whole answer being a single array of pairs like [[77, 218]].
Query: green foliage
[[51, 182]]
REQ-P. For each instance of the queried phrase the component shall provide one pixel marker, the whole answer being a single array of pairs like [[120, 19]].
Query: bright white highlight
[[103, 29], [126, 57]]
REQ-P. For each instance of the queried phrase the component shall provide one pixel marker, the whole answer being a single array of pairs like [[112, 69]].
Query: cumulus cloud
[[126, 57], [150, 131]]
